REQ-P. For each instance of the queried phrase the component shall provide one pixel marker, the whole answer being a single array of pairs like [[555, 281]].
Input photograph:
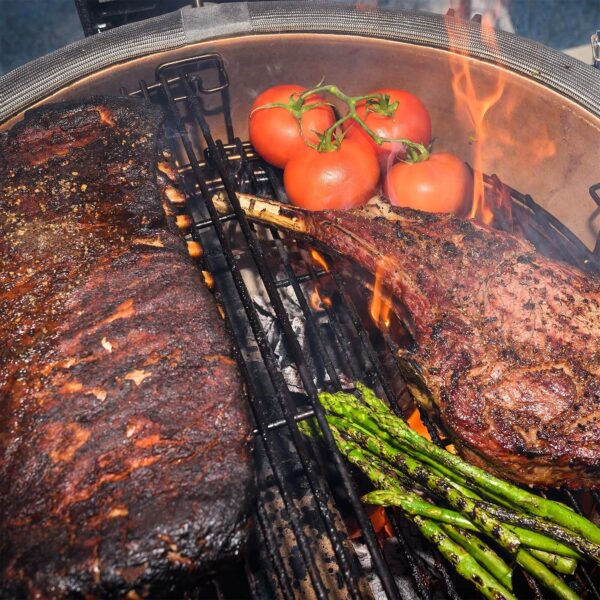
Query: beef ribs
[[505, 349], [125, 468]]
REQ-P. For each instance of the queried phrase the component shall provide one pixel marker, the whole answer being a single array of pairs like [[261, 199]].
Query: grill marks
[[507, 342], [122, 418]]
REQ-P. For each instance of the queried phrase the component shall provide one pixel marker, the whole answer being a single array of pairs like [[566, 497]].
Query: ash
[[398, 564], [274, 333], [308, 335]]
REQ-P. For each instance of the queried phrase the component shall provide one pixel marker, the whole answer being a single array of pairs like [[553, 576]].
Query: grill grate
[[301, 541]]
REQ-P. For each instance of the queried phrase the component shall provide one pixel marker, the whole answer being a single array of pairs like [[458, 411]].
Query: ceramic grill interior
[[299, 317]]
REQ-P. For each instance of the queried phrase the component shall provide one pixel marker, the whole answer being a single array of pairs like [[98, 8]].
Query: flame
[[381, 303], [381, 524], [317, 301], [476, 100], [319, 260], [414, 422], [477, 103]]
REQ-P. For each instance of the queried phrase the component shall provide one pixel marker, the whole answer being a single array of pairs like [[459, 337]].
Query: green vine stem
[[330, 139]]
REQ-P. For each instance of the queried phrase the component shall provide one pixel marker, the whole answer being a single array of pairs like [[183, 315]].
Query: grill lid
[[34, 81]]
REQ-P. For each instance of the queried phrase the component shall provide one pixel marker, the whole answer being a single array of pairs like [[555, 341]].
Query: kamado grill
[[299, 325]]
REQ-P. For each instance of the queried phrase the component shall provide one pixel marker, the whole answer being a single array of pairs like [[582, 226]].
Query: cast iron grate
[[300, 541]]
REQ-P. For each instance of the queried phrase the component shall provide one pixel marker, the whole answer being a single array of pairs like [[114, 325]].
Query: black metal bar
[[299, 358], [446, 578], [256, 327], [411, 560], [217, 587], [199, 225], [533, 585], [374, 360], [584, 256], [304, 307], [336, 327], [145, 91], [256, 251], [415, 570], [595, 194], [299, 279], [271, 546], [299, 417], [255, 590]]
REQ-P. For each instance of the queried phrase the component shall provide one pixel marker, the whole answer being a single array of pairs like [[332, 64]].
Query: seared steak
[[124, 459], [506, 343]]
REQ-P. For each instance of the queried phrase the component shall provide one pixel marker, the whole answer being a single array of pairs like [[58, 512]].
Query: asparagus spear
[[426, 476], [463, 562], [394, 494], [423, 475], [524, 558], [413, 505], [545, 576], [538, 541], [505, 537], [482, 553], [475, 510], [507, 515], [560, 564], [381, 476], [530, 527], [530, 539], [402, 435]]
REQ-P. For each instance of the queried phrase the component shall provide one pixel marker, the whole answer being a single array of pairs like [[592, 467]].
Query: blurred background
[[31, 28]]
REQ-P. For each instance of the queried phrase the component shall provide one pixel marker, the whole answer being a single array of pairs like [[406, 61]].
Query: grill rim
[[36, 80]]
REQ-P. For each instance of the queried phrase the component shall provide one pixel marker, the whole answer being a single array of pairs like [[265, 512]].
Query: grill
[[308, 498]]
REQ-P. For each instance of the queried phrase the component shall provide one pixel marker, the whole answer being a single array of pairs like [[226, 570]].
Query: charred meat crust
[[124, 457], [507, 341]]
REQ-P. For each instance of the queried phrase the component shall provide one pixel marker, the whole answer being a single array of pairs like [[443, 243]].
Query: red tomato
[[442, 183], [344, 178], [410, 121], [275, 132]]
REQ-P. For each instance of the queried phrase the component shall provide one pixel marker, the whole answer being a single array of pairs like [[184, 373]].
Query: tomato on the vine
[[410, 120], [345, 177], [442, 183], [275, 132]]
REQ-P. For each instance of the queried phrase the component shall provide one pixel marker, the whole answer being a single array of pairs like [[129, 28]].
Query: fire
[[475, 100], [319, 260], [317, 301], [381, 303], [381, 524], [414, 422], [477, 103]]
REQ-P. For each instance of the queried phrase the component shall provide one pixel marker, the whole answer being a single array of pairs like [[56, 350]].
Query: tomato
[[442, 183], [275, 132], [343, 178], [410, 121]]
